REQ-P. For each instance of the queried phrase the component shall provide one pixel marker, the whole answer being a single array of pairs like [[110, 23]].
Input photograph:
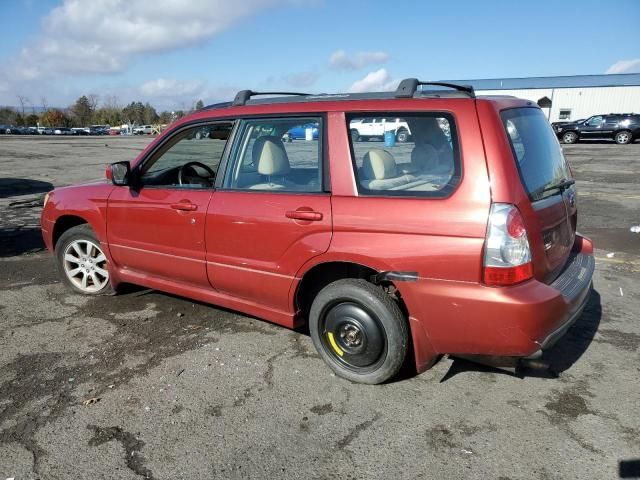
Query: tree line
[[87, 110]]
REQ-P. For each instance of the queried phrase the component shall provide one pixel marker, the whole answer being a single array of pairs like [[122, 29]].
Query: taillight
[[507, 256]]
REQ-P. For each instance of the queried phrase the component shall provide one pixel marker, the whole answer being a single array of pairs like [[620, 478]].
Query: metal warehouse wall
[[583, 101]]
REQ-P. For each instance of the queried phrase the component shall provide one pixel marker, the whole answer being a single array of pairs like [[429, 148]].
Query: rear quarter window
[[417, 155], [536, 151]]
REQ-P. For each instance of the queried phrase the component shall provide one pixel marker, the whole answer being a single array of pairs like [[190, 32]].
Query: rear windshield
[[536, 149]]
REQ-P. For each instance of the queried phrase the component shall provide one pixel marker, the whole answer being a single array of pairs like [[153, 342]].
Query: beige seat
[[380, 172], [270, 156]]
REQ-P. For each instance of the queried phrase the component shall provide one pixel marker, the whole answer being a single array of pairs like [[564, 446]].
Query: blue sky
[[172, 52]]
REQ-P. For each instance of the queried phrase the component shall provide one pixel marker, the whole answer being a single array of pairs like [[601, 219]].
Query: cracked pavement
[[182, 390]]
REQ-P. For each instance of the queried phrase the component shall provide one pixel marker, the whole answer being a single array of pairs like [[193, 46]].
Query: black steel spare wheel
[[353, 335], [359, 331]]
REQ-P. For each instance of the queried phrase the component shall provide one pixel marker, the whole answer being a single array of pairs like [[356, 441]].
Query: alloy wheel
[[86, 266]]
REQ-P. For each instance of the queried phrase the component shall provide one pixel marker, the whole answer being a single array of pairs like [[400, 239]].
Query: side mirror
[[119, 173]]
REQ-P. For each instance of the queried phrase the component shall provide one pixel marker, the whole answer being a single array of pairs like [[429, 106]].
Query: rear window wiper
[[562, 186]]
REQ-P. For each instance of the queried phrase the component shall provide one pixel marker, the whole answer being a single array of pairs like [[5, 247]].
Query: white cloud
[[625, 66], [378, 81], [162, 87], [302, 79], [340, 60], [105, 37]]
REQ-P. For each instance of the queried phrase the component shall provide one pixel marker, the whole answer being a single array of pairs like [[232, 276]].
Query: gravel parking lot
[[178, 389]]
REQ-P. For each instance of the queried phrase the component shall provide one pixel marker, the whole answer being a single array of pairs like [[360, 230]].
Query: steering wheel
[[190, 165]]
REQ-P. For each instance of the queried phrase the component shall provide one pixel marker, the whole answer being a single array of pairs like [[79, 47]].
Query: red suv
[[460, 239]]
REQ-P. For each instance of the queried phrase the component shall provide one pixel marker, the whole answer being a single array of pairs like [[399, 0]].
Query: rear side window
[[536, 150], [277, 155], [407, 155]]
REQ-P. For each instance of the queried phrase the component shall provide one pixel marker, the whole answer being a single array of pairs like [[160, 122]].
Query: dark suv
[[623, 128]]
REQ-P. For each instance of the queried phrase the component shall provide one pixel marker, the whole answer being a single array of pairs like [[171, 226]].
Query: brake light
[[507, 256]]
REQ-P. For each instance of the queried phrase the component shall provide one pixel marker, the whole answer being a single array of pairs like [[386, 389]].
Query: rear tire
[[402, 136], [569, 137], [623, 138], [82, 263], [359, 331], [355, 136]]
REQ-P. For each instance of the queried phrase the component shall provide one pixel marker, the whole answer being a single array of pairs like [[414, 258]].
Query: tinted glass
[[411, 155], [277, 154], [536, 151]]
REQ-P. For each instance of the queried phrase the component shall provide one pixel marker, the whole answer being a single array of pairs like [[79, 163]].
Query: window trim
[[168, 141], [446, 192], [236, 138]]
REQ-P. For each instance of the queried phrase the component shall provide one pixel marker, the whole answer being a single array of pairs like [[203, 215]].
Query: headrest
[[270, 156], [379, 164], [424, 157]]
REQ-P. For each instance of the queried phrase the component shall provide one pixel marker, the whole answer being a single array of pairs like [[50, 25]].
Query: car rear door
[[269, 214]]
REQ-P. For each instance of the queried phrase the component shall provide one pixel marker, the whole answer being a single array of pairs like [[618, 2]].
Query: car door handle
[[187, 207], [310, 216]]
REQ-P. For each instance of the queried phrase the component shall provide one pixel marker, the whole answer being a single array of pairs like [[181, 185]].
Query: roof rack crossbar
[[243, 96], [408, 87]]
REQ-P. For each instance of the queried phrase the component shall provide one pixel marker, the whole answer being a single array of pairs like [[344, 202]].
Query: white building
[[569, 98]]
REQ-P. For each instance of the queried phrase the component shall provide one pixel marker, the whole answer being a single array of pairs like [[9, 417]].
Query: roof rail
[[408, 87], [243, 96]]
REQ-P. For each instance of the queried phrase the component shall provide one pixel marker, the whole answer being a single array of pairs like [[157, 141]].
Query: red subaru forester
[[449, 228]]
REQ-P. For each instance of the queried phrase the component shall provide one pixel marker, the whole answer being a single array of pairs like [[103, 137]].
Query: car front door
[[592, 127], [156, 227], [270, 213]]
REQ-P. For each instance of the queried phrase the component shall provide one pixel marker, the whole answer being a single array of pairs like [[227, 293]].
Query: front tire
[[359, 331], [569, 137], [82, 263], [623, 138]]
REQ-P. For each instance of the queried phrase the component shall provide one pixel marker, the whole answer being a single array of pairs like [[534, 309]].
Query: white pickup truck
[[142, 130], [362, 129]]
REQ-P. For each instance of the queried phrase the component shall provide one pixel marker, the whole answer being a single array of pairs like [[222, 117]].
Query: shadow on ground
[[16, 241], [560, 358], [11, 187]]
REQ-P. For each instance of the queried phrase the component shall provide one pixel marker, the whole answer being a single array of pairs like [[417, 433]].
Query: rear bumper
[[518, 321]]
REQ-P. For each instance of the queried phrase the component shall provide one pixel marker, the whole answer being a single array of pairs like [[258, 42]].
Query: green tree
[[199, 105], [165, 118], [7, 116], [134, 113], [82, 112], [31, 120], [149, 114]]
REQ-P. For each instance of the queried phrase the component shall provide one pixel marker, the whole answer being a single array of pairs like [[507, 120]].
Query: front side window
[[277, 154], [416, 155], [189, 159], [594, 121]]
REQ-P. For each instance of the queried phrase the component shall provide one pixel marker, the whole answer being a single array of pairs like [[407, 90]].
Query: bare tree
[[45, 104], [93, 98], [23, 101]]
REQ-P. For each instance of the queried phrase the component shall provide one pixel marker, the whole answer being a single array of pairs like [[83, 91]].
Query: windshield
[[536, 150]]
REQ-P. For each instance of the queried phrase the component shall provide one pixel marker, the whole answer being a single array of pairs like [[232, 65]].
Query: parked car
[[623, 128], [79, 131], [62, 131], [367, 128], [300, 132], [12, 130], [463, 244]]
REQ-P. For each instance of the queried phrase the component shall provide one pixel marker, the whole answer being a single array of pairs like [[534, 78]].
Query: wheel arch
[[321, 274], [64, 223]]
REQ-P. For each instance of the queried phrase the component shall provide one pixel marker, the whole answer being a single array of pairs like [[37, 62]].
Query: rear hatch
[[547, 179]]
